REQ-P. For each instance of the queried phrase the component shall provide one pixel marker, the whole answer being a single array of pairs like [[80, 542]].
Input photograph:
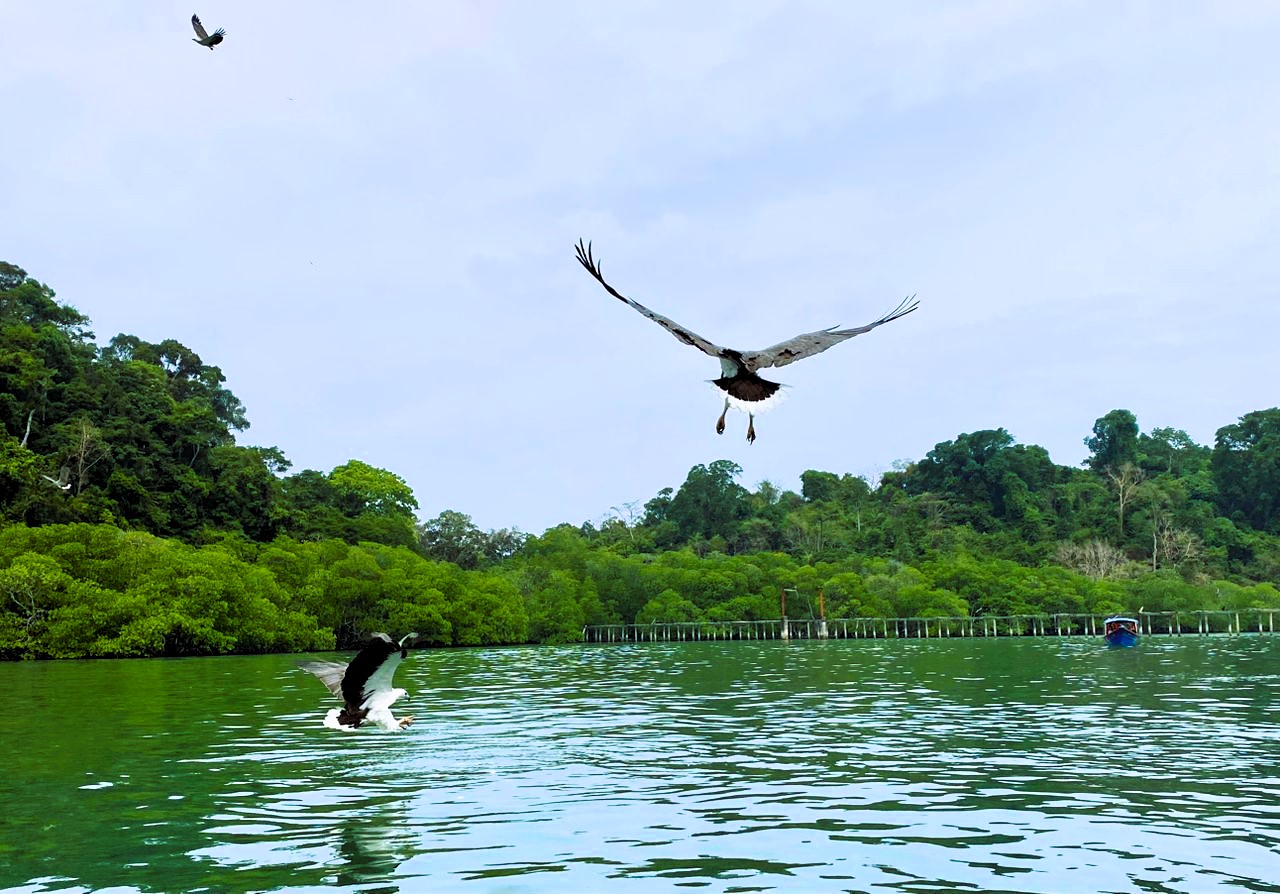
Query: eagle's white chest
[[379, 705]]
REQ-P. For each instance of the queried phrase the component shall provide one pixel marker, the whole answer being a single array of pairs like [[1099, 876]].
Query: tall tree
[[1114, 441], [1246, 468], [1125, 480], [710, 502], [985, 479], [44, 348], [364, 488], [1171, 451], [452, 537]]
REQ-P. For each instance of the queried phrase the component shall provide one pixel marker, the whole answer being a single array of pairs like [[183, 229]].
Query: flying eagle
[[364, 685], [203, 37], [742, 388], [63, 480]]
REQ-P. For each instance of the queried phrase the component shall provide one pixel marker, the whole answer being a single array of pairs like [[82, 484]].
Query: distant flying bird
[[63, 480], [742, 388], [204, 38], [364, 685]]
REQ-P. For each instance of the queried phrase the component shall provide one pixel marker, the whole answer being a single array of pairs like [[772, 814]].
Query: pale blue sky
[[365, 214]]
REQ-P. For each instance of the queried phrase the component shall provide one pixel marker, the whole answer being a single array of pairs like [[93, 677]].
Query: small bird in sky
[[742, 388], [204, 38], [364, 685], [63, 480]]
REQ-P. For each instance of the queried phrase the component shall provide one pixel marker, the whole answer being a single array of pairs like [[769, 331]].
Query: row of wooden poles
[[1261, 620]]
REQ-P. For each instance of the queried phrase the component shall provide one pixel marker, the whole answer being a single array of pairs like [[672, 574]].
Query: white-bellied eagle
[[204, 38], [63, 481], [364, 685], [742, 388]]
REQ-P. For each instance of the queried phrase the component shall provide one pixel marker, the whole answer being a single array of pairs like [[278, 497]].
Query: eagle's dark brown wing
[[200, 32], [688, 336], [816, 342]]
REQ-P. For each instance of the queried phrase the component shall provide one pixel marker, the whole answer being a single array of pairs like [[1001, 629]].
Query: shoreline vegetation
[[132, 523]]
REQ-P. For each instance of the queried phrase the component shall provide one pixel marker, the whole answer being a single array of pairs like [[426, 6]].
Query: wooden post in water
[[784, 631]]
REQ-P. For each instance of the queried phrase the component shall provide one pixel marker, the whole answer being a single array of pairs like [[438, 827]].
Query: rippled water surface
[[1011, 765]]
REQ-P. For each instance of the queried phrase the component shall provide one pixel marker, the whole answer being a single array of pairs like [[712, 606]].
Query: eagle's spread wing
[[203, 37], [377, 690], [329, 672], [688, 336], [63, 480], [816, 342]]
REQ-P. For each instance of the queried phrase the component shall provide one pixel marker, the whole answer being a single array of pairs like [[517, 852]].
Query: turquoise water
[[1028, 765]]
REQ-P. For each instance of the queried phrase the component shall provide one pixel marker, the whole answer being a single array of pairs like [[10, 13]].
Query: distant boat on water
[[1118, 631]]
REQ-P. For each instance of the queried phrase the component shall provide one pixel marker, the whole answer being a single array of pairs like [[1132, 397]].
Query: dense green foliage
[[169, 538]]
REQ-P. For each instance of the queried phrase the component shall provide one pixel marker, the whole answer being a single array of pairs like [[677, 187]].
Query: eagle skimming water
[[203, 37], [738, 381], [364, 685]]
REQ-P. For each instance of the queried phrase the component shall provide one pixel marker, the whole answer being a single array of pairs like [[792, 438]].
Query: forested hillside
[[135, 524]]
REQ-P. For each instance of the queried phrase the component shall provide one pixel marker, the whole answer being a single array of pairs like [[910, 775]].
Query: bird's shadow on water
[[324, 808], [372, 850]]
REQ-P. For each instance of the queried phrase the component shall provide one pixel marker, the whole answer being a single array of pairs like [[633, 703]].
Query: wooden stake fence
[[1259, 620]]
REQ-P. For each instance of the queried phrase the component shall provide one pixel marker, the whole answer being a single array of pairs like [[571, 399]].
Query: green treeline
[[132, 523]]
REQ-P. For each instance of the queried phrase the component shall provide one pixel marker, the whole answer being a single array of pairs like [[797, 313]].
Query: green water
[[1011, 765]]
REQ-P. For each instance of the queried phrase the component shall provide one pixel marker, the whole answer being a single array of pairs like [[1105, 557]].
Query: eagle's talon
[[405, 721]]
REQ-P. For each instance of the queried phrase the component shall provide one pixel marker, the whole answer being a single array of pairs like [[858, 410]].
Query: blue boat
[[1118, 631]]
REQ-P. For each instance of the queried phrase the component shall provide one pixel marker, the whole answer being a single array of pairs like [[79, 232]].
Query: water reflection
[[1028, 765]]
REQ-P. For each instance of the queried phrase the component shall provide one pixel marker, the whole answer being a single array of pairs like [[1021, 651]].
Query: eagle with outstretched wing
[[742, 388], [63, 481], [204, 38], [364, 684]]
